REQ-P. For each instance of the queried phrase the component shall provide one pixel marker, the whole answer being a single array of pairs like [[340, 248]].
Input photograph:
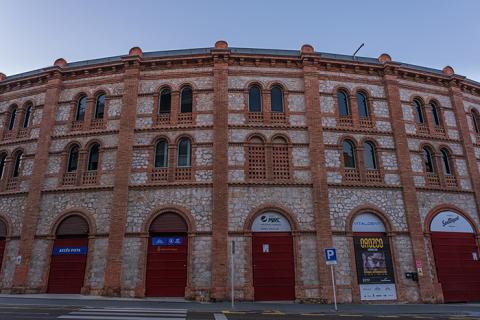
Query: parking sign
[[331, 256]]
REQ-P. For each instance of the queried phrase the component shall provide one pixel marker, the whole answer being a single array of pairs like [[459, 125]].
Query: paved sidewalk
[[471, 309]]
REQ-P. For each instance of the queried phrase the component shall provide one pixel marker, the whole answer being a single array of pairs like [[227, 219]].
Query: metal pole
[[232, 275], [333, 287]]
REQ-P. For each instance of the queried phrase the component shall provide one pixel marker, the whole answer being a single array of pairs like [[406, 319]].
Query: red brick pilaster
[[32, 209], [429, 292], [220, 173], [319, 173], [118, 215]]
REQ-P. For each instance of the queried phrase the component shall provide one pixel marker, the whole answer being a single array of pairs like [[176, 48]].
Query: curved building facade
[[139, 175]]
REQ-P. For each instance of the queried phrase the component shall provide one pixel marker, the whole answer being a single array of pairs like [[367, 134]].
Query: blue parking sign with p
[[331, 256]]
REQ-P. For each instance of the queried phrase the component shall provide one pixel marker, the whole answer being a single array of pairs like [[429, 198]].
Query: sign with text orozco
[[271, 222]]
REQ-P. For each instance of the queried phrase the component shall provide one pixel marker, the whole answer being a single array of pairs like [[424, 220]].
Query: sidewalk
[[49, 300]]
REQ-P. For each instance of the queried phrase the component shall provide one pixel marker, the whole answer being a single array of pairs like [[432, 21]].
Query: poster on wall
[[374, 268]]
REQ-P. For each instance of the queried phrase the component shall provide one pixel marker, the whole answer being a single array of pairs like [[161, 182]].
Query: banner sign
[[271, 222], [374, 268], [167, 241], [57, 251], [449, 221]]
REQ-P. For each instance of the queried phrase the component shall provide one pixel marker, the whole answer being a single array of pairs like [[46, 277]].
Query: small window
[[476, 120], [254, 99], [11, 120], [17, 164], [26, 117], [81, 107], [276, 96], [161, 154], [447, 169], [165, 101], [349, 160], [186, 99], [343, 103], [435, 115], [369, 156], [428, 160], [362, 105], [100, 106], [3, 158], [184, 153], [72, 165], [419, 112], [93, 157]]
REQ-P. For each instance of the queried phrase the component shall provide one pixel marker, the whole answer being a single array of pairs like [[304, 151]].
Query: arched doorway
[[272, 258], [373, 258], [3, 240], [167, 256], [69, 256], [456, 257]]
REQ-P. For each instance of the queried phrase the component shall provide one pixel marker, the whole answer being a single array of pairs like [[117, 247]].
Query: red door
[[167, 268], [2, 250], [273, 266], [67, 269], [457, 270]]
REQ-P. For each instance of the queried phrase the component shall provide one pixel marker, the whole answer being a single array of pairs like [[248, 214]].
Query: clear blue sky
[[431, 33]]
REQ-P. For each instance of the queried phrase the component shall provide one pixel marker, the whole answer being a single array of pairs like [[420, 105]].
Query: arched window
[[369, 156], [93, 157], [418, 112], [447, 168], [100, 106], [81, 107], [72, 164], [280, 159], [254, 99], [72, 226], [276, 97], [186, 99], [17, 164], [161, 154], [256, 159], [362, 105], [26, 117], [165, 101], [343, 103], [428, 160], [476, 120], [349, 160], [3, 158], [184, 153], [435, 115], [11, 120]]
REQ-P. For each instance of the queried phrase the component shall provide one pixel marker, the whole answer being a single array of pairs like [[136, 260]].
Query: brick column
[[220, 173], [40, 164], [118, 215], [319, 173], [429, 292]]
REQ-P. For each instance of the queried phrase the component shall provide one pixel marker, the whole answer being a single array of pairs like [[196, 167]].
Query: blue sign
[[167, 241], [58, 251], [331, 256]]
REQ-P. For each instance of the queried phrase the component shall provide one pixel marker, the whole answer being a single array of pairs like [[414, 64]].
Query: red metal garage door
[[273, 266], [457, 270], [167, 265], [67, 266]]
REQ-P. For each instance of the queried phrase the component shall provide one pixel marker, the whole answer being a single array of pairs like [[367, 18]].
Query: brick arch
[[434, 101], [341, 87], [78, 95], [99, 92], [343, 138], [184, 135], [414, 97], [5, 219], [363, 90], [158, 138], [277, 83], [71, 143], [90, 143], [27, 103], [74, 212], [185, 85], [181, 211], [282, 136], [428, 145], [162, 87], [247, 225], [12, 107], [447, 207], [371, 209], [251, 83], [255, 135]]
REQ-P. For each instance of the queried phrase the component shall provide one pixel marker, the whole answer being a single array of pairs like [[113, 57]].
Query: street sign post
[[331, 259]]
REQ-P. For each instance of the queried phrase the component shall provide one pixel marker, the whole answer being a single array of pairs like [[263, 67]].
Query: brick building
[[131, 175]]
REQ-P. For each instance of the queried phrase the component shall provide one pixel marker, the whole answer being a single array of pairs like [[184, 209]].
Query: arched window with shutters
[[370, 156], [3, 159], [12, 117], [93, 157], [256, 158], [446, 166], [73, 156], [100, 106], [81, 108], [476, 120], [349, 158], [428, 160], [343, 103], [165, 101], [362, 103], [184, 153], [254, 99], [280, 159], [161, 154], [419, 116], [276, 99], [186, 100], [27, 115], [17, 164]]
